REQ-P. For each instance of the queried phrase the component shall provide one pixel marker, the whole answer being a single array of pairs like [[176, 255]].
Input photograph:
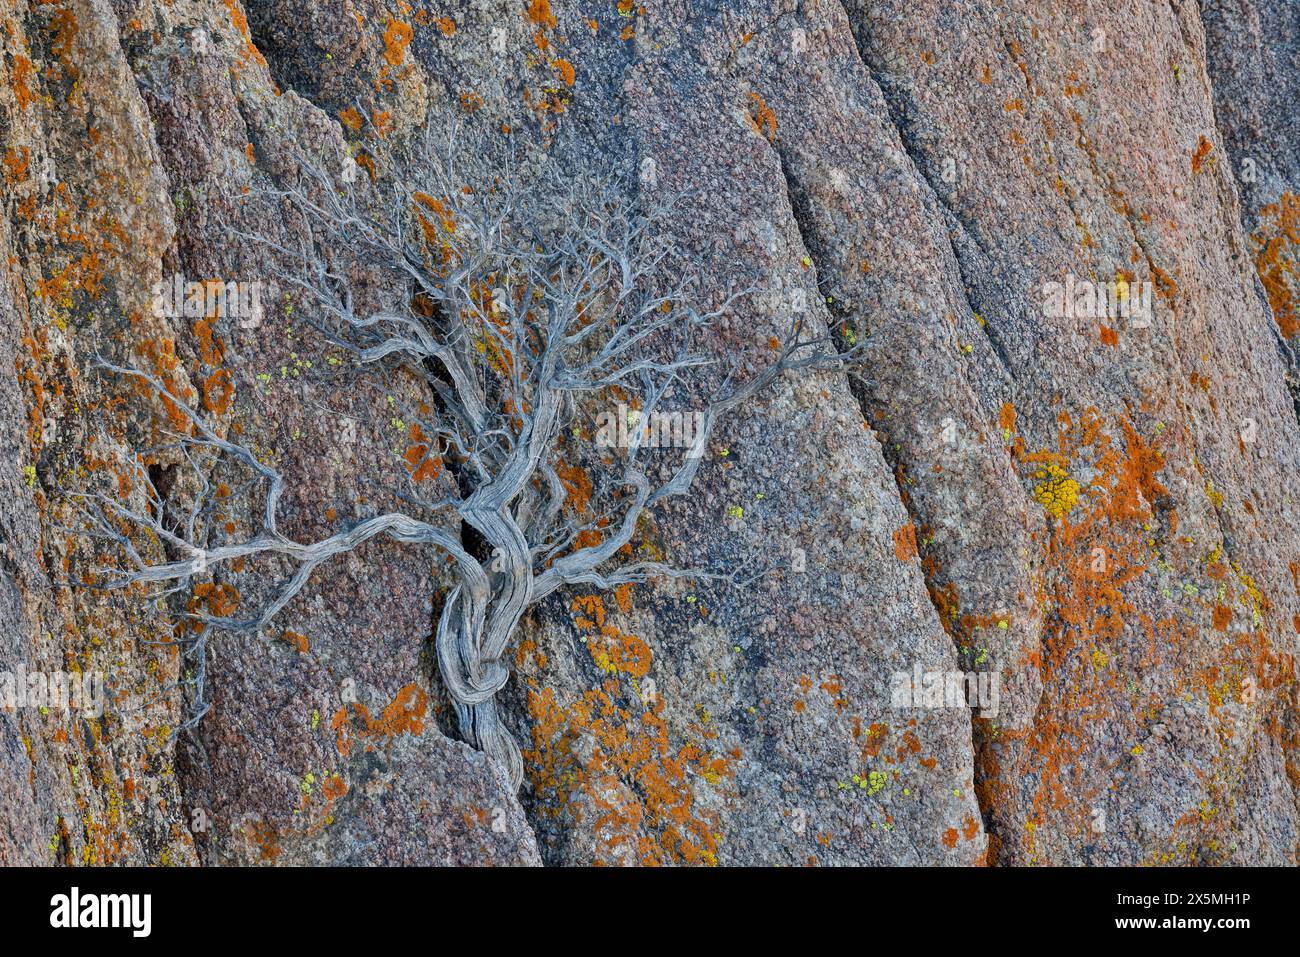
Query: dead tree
[[525, 296]]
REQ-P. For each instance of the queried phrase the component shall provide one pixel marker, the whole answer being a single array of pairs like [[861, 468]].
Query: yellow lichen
[[1057, 492]]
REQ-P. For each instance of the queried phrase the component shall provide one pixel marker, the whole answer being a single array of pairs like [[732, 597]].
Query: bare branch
[[526, 297]]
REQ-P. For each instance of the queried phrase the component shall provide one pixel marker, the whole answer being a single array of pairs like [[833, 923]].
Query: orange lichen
[[436, 229], [577, 487], [905, 542], [334, 787], [529, 647], [539, 12], [1277, 260], [397, 36], [249, 53], [1202, 151], [216, 599], [615, 651], [592, 608], [20, 81], [623, 597], [63, 24], [165, 365], [763, 120], [218, 391], [1097, 635], [640, 787], [15, 165], [1007, 419], [421, 461], [566, 71], [351, 118], [267, 840], [211, 351], [607, 760], [405, 715]]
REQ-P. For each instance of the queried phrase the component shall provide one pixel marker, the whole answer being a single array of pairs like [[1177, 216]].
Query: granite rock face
[[1092, 506]]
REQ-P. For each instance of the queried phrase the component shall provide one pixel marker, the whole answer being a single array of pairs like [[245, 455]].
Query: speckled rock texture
[[1099, 511]]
